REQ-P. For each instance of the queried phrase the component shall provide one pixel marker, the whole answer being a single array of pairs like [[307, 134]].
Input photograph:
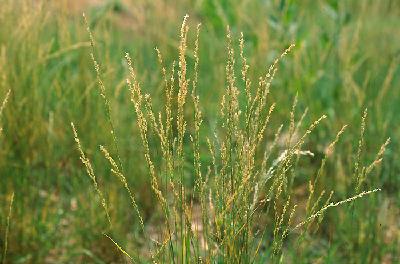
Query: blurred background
[[346, 59]]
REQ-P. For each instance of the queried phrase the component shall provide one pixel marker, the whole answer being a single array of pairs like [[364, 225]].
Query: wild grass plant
[[213, 219], [7, 227], [345, 60]]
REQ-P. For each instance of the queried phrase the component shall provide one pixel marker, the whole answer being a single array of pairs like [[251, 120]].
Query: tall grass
[[7, 228], [214, 218], [4, 255], [345, 60]]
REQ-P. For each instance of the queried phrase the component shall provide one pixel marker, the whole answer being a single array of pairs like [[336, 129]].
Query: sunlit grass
[[345, 60]]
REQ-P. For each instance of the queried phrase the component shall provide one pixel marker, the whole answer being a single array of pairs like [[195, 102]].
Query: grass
[[229, 198], [3, 260], [202, 153]]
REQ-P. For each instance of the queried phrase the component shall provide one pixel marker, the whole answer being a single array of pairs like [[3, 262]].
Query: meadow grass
[[5, 241], [187, 183], [229, 198]]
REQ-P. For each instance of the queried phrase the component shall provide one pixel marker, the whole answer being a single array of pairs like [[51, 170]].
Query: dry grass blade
[[119, 247], [7, 229]]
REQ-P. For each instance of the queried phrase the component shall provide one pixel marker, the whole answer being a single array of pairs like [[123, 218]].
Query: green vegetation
[[252, 148]]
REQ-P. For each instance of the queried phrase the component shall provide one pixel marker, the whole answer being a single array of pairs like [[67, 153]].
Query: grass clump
[[224, 195], [346, 62]]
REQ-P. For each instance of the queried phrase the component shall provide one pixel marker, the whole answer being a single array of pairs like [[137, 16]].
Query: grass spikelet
[[356, 174], [116, 171], [119, 247], [331, 146], [300, 142], [292, 122], [328, 152], [245, 69], [197, 118], [323, 209], [103, 93], [5, 101], [137, 100], [378, 157], [3, 105], [90, 172]]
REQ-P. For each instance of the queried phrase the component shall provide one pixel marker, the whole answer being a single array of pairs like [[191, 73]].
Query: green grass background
[[346, 59]]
